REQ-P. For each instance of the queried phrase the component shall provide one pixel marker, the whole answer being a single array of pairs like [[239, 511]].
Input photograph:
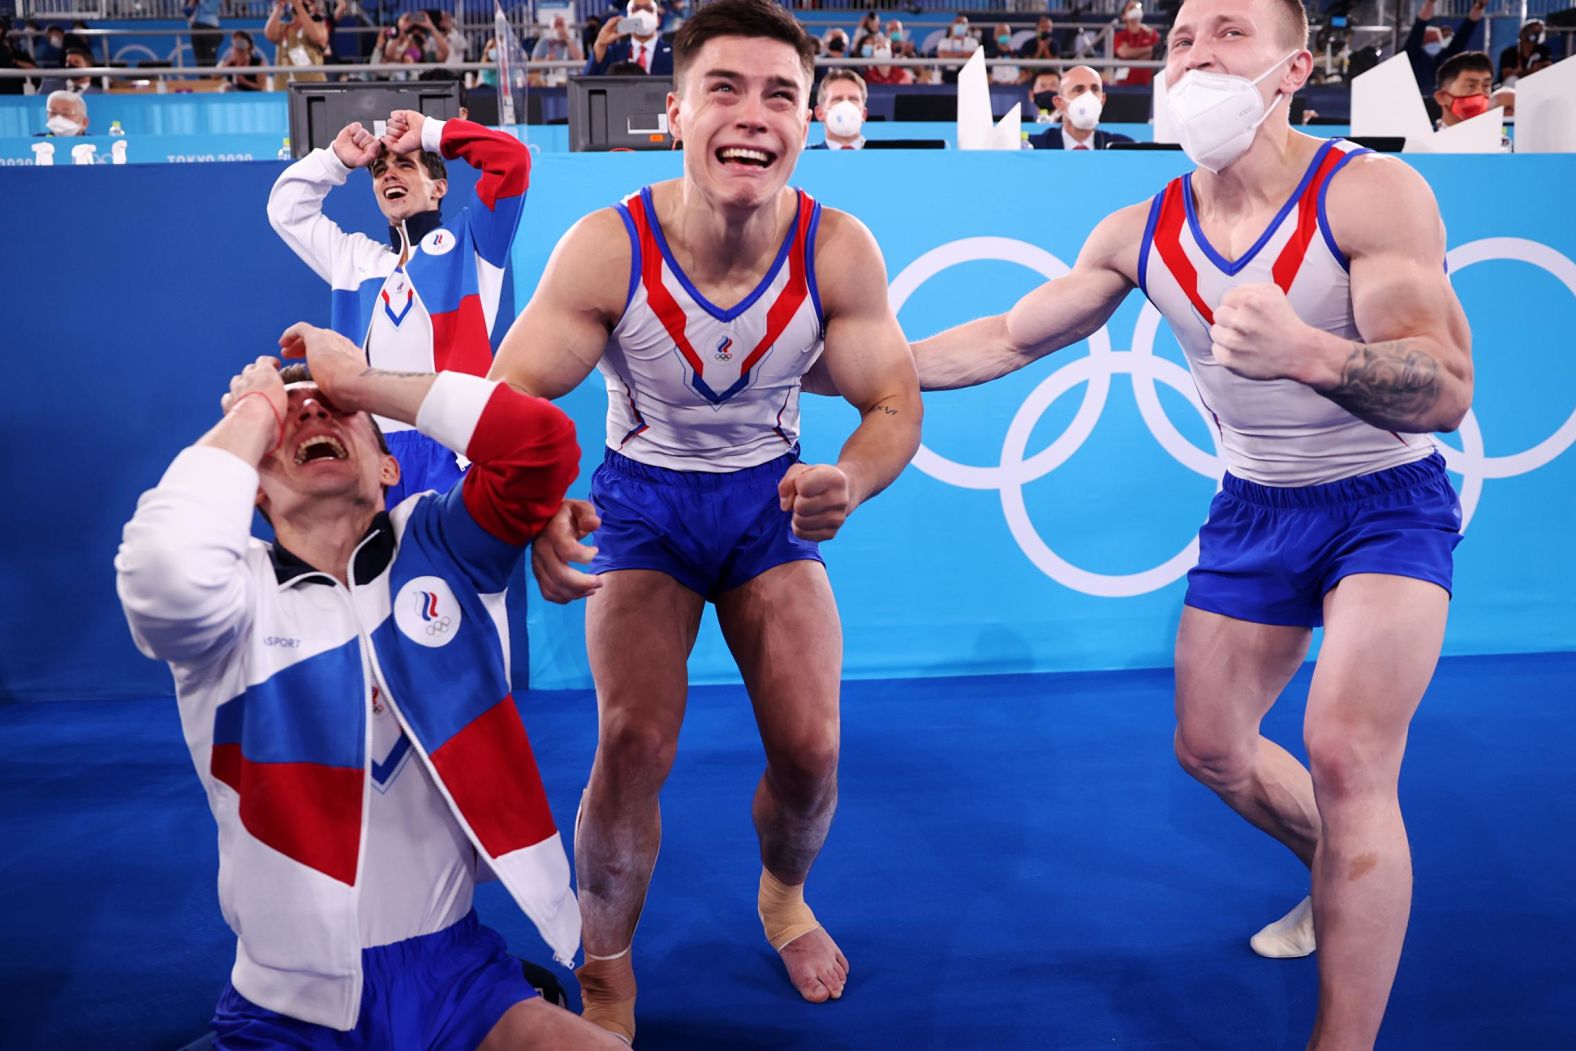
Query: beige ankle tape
[[784, 915], [607, 993]]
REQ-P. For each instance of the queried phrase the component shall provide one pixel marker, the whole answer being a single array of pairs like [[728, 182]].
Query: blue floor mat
[[1017, 862]]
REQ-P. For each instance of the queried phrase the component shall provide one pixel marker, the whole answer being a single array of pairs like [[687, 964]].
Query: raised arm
[[295, 204], [316, 32], [1057, 314], [274, 28], [180, 571], [866, 357], [1411, 367]]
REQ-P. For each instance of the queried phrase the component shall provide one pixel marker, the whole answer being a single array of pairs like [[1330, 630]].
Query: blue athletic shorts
[[440, 991], [709, 531], [423, 464], [1270, 555]]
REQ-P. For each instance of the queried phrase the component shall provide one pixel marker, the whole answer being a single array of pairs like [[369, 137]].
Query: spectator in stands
[[881, 48], [999, 47], [557, 44], [869, 26], [49, 52], [1043, 92], [1465, 82], [1135, 41], [12, 56], [1044, 44], [76, 58], [449, 29], [1528, 54], [302, 38], [76, 37], [837, 43], [639, 44], [65, 114], [1428, 45], [415, 41], [840, 106], [1079, 102], [243, 54], [898, 37], [203, 18], [958, 43]]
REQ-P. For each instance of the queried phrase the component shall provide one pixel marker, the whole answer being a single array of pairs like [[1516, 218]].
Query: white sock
[[1289, 937]]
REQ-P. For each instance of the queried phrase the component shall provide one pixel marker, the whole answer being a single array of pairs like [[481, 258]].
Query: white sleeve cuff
[[452, 407], [432, 134]]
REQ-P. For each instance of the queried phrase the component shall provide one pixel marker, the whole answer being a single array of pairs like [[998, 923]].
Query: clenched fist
[[1257, 334], [817, 495]]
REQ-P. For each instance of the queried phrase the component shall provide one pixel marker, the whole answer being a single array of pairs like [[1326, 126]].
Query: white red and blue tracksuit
[[278, 665], [435, 312]]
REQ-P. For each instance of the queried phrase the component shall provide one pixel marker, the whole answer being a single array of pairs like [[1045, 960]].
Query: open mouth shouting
[[395, 192], [320, 447], [745, 157]]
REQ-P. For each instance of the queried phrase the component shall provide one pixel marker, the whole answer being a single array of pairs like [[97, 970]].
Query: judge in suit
[[643, 47], [1079, 101]]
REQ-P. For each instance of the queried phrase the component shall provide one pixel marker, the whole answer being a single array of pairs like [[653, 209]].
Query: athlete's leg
[[1382, 640], [537, 1025], [1229, 672], [783, 629], [640, 627]]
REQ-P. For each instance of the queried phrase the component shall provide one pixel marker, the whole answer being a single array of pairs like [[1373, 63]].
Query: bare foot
[[816, 966]]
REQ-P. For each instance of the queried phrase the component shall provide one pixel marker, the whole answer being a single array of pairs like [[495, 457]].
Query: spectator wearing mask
[[632, 38], [1429, 45], [1528, 54], [12, 56], [1079, 102], [880, 48], [203, 18], [868, 27], [1044, 44], [1047, 84], [958, 43], [557, 44], [65, 114], [76, 58], [1135, 41], [840, 105], [1465, 82], [243, 54], [49, 52], [297, 29], [897, 36], [836, 44], [1000, 47]]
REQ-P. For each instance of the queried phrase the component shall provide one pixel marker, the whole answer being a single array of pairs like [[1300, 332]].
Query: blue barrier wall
[[133, 293]]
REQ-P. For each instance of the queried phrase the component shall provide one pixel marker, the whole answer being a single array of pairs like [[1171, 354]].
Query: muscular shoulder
[[1115, 241], [848, 261], [591, 263], [1377, 203]]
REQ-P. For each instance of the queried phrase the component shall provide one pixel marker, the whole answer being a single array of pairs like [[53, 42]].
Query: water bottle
[[115, 129], [284, 151]]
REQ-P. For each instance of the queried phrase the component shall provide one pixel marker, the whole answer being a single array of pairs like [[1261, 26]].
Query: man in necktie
[[632, 38]]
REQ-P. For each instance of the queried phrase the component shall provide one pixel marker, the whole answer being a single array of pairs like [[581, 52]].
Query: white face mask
[[1217, 114], [59, 125], [844, 120], [881, 52], [1433, 48], [646, 22], [1084, 111]]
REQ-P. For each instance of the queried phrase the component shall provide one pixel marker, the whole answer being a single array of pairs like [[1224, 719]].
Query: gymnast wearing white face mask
[[1304, 280]]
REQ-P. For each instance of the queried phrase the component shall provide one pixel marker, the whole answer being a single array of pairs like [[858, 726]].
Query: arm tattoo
[[889, 410], [1387, 384]]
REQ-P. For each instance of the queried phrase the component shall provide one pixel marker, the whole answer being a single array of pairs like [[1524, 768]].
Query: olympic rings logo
[[1015, 470]]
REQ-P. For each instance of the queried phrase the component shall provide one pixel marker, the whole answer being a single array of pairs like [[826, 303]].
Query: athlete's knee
[[1216, 760], [804, 770], [1349, 762], [635, 752]]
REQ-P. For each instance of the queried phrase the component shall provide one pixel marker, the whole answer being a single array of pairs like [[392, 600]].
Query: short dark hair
[[299, 373], [244, 35], [433, 162], [1466, 62], [746, 18]]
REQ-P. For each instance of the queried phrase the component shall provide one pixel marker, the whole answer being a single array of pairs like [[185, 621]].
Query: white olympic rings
[[1014, 470]]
